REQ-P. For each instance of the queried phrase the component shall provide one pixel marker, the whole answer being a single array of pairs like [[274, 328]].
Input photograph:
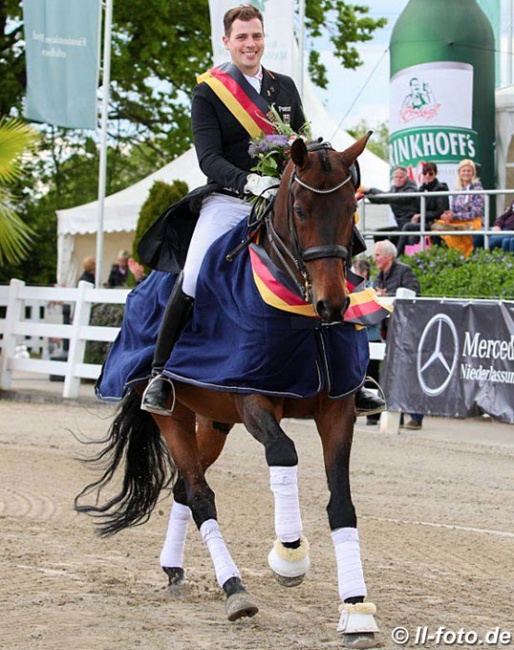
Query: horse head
[[313, 222]]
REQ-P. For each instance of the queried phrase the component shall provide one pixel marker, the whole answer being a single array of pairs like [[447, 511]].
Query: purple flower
[[267, 144], [281, 140]]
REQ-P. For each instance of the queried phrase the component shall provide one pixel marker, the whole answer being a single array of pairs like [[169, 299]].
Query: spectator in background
[[137, 270], [119, 271], [466, 210], [392, 276], [89, 270], [466, 207], [403, 208], [434, 207], [362, 267], [504, 222]]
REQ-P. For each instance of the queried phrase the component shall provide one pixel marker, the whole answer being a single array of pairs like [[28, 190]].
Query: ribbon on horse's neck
[[299, 256]]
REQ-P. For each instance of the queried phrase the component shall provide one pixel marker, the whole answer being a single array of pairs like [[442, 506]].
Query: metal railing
[[423, 232]]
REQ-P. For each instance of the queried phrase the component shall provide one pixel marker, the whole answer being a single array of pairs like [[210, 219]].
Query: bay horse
[[309, 237]]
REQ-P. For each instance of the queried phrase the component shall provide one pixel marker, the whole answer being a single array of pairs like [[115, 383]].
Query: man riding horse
[[230, 104], [286, 306], [283, 305]]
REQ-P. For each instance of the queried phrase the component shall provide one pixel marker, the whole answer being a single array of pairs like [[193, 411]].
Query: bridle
[[299, 256]]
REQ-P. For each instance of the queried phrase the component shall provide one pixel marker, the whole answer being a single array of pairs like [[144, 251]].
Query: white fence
[[36, 331]]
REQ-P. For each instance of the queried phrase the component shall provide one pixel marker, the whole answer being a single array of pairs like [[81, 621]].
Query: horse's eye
[[300, 212]]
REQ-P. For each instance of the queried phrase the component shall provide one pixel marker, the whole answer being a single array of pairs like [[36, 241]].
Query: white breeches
[[218, 215]]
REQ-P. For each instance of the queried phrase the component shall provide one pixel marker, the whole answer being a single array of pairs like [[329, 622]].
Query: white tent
[[76, 227]]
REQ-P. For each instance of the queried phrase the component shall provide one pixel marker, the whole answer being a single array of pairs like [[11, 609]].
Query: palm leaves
[[15, 236]]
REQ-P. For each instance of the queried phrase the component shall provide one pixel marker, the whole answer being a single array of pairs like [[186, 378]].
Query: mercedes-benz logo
[[438, 351]]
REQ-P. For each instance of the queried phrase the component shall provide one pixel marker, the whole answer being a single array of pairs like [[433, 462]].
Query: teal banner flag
[[62, 50]]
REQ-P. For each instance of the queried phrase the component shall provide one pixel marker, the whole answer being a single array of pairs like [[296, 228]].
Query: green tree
[[12, 57], [347, 24], [41, 192], [379, 141], [158, 48], [15, 235], [160, 197], [39, 268]]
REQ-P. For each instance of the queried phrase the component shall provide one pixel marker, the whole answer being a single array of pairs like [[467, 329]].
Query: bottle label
[[431, 111]]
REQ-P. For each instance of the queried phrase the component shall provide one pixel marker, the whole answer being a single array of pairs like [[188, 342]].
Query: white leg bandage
[[172, 554], [350, 575], [284, 485], [223, 564]]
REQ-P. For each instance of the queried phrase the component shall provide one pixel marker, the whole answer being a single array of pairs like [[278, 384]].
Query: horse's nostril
[[330, 313]]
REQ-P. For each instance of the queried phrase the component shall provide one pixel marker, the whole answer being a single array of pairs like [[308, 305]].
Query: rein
[[300, 256]]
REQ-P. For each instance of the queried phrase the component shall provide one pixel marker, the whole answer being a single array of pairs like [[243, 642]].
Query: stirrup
[[381, 396], [368, 379], [155, 408]]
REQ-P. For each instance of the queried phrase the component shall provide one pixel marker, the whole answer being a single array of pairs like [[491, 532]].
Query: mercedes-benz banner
[[452, 358]]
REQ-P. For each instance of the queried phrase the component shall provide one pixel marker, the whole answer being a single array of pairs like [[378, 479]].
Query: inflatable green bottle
[[442, 88]]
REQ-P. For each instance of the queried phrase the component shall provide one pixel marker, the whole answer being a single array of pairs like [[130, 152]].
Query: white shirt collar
[[256, 80]]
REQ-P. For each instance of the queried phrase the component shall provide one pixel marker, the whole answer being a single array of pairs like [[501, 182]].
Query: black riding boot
[[178, 311], [367, 403]]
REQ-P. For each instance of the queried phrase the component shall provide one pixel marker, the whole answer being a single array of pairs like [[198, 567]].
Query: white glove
[[265, 186]]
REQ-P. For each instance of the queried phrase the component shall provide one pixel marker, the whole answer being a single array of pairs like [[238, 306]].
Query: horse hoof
[[359, 640], [357, 625], [239, 605], [176, 576], [285, 581], [289, 565]]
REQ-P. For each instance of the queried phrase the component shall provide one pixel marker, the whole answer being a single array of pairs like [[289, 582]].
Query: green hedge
[[106, 315], [443, 272], [160, 197]]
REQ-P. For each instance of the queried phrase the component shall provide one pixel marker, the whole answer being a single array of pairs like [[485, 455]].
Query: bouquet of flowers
[[272, 151]]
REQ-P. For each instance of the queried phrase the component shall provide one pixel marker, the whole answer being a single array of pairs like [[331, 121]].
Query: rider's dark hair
[[243, 12]]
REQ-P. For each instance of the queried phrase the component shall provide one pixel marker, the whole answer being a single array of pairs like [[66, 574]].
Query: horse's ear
[[351, 154], [299, 152]]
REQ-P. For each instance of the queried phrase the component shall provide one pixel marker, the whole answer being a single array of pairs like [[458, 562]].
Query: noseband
[[299, 255]]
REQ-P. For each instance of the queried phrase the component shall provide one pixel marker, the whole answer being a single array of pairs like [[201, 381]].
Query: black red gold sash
[[241, 99], [276, 290]]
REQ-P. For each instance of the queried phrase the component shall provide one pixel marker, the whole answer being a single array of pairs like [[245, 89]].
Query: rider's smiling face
[[246, 45]]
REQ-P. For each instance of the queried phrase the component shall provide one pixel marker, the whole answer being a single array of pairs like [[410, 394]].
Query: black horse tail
[[135, 439]]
